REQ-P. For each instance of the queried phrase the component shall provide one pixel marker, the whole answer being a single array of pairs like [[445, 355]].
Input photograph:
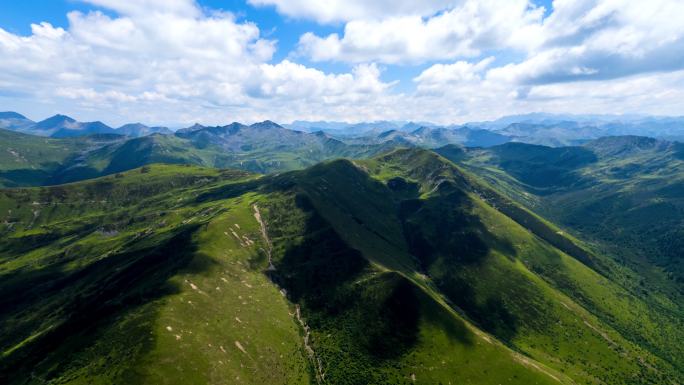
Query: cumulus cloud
[[599, 40], [464, 91], [166, 60], [589, 56], [172, 61], [463, 31], [290, 80], [461, 73], [579, 40]]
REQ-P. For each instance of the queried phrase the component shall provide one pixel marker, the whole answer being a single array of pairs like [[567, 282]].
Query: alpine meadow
[[444, 192]]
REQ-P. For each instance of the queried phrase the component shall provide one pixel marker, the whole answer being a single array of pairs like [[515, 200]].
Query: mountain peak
[[235, 125], [266, 124], [61, 118], [56, 119], [132, 125], [421, 130], [139, 129], [56, 122], [12, 115], [193, 128], [386, 134]]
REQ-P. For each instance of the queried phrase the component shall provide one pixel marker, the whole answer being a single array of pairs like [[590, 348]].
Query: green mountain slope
[[151, 292], [399, 269], [626, 197], [490, 234], [27, 160]]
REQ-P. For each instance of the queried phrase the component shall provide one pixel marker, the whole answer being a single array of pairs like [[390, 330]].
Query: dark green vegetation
[[624, 194], [404, 268]]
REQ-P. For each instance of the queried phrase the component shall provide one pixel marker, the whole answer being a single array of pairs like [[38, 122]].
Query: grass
[[400, 269], [511, 311], [105, 299]]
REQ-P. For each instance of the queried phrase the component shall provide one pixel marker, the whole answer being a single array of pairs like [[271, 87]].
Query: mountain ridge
[[391, 264]]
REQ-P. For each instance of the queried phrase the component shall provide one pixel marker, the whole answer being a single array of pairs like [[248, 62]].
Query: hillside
[[27, 160], [399, 269], [622, 194]]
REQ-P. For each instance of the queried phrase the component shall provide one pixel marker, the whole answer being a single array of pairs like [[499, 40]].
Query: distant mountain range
[[537, 128], [265, 147], [62, 126]]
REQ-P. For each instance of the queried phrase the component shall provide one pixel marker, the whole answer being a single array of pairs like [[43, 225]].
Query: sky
[[179, 62]]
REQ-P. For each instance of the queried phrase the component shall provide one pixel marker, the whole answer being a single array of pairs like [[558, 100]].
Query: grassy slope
[[161, 291], [629, 209], [628, 201], [397, 265], [518, 268], [152, 292], [29, 160], [371, 324]]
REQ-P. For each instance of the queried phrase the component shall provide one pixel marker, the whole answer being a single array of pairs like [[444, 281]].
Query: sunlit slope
[[127, 280], [150, 277], [625, 194], [371, 323], [400, 269], [504, 272]]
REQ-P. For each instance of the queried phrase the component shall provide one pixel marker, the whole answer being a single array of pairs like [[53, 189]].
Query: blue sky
[[180, 61]]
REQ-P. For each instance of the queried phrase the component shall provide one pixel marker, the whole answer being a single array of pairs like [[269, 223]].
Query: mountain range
[[537, 128], [30, 160], [262, 254], [61, 126]]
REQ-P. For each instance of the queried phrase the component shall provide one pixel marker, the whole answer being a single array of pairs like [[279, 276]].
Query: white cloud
[[466, 91], [290, 80], [173, 63], [463, 31], [594, 40], [440, 76], [579, 40]]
